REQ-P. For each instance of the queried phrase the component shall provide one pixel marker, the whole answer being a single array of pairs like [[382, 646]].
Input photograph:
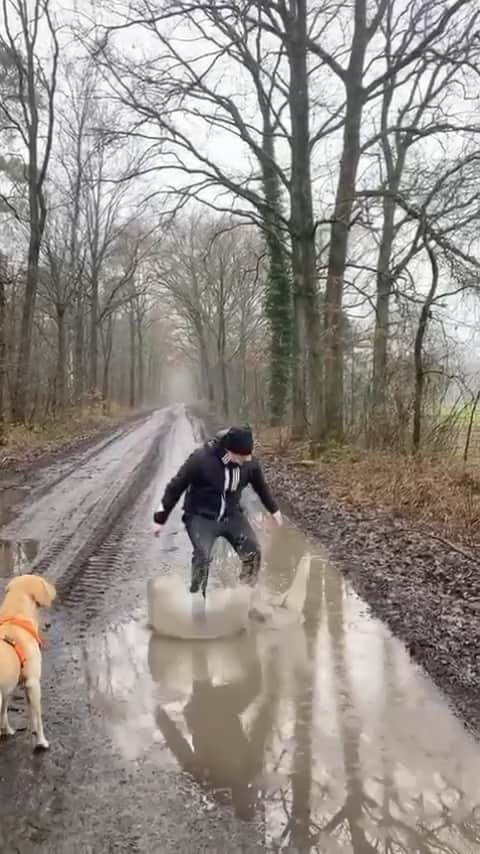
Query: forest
[[279, 197]]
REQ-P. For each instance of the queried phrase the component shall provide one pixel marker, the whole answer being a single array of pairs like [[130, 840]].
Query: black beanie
[[238, 440]]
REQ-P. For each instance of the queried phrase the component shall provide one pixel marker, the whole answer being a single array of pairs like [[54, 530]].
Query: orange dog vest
[[27, 626]]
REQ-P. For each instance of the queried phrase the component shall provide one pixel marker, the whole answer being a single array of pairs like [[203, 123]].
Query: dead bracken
[[425, 587]]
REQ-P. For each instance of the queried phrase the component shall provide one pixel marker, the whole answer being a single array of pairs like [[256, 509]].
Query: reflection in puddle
[[10, 496], [325, 730], [218, 750], [16, 557]]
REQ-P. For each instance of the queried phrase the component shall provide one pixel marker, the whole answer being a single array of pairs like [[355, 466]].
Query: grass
[[460, 414]]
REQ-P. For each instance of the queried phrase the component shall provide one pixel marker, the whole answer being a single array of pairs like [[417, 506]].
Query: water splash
[[174, 612]]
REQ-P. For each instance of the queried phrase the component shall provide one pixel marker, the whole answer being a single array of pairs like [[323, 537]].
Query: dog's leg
[[34, 695], [5, 728]]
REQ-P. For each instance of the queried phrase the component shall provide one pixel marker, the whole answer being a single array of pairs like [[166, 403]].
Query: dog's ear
[[42, 591], [45, 594]]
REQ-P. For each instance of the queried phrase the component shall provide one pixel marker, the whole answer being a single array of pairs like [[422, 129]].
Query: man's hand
[[159, 519], [278, 518]]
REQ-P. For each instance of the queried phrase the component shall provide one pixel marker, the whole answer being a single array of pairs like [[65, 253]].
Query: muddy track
[[80, 567], [119, 503], [91, 572], [19, 472], [291, 743], [86, 456], [76, 509]]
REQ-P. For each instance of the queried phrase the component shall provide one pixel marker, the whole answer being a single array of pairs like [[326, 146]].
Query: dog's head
[[39, 589]]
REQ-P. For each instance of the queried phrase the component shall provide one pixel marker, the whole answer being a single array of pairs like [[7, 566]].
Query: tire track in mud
[[81, 450], [83, 456], [88, 796], [78, 530], [82, 567], [84, 560], [81, 587]]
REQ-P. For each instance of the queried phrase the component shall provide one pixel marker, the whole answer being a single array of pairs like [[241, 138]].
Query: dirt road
[[322, 737]]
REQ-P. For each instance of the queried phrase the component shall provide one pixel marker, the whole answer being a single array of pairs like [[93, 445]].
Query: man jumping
[[213, 478]]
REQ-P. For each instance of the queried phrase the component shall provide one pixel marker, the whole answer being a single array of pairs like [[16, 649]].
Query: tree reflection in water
[[322, 755]]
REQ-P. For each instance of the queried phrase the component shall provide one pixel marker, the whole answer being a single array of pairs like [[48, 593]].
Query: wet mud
[[321, 735], [18, 468]]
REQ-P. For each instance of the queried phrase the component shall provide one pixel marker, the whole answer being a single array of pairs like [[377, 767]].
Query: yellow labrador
[[20, 642]]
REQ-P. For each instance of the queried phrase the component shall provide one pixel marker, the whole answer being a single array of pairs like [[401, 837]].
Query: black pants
[[236, 529]]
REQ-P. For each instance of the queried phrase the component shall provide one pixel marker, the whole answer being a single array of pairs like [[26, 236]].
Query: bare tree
[[57, 291], [408, 48], [36, 82], [12, 164], [3, 281], [76, 150], [278, 76], [212, 275], [108, 218], [439, 230], [413, 111]]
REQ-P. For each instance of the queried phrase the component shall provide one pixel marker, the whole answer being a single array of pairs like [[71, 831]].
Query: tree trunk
[[279, 292], [206, 374], [382, 310], [107, 354], [333, 315], [205, 366], [223, 371], [299, 392], [279, 302], [105, 384], [394, 164], [131, 399], [93, 379], [61, 372], [307, 340], [221, 350], [141, 362], [243, 369], [2, 349], [418, 352], [258, 407], [78, 350], [22, 390], [107, 345], [470, 426], [30, 97], [279, 311]]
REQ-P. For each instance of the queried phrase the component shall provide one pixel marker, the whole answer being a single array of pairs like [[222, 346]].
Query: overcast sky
[[459, 316]]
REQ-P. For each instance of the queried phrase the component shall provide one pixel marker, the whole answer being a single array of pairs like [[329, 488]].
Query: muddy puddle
[[10, 498], [17, 556], [323, 732]]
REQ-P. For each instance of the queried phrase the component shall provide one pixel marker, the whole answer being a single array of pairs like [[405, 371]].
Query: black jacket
[[213, 489]]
